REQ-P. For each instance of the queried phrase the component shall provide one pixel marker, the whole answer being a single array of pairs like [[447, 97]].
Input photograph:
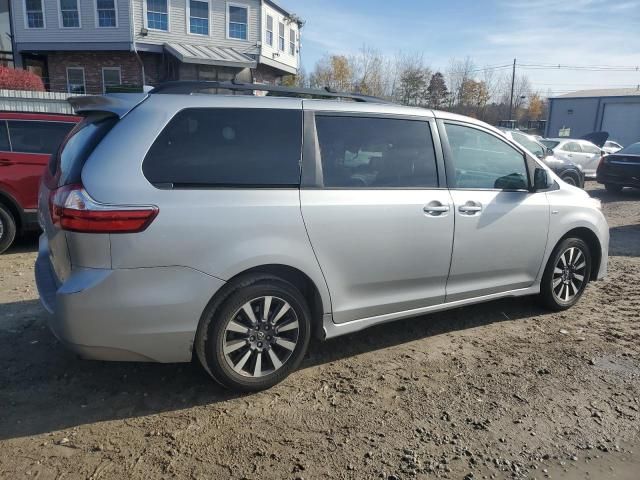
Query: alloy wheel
[[260, 336], [569, 274]]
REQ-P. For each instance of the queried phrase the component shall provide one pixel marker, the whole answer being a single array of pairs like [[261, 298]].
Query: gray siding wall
[[217, 26], [581, 121], [587, 114], [87, 33]]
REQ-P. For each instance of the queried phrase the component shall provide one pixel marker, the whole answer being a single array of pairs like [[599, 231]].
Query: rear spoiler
[[117, 103]]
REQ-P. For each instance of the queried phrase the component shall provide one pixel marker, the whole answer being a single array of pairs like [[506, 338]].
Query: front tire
[[7, 229], [257, 336], [566, 275], [569, 180]]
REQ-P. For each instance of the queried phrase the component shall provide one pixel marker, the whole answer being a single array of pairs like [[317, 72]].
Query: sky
[[491, 32]]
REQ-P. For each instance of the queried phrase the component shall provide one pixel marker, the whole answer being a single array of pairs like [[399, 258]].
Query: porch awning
[[209, 55]]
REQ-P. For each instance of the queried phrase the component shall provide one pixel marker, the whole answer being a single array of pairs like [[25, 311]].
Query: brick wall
[[92, 62]]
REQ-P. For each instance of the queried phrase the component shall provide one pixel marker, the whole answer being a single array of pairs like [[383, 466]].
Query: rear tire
[[613, 188], [7, 228], [566, 275], [256, 336]]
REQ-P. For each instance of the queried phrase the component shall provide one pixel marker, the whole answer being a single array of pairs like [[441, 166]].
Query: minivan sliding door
[[379, 223]]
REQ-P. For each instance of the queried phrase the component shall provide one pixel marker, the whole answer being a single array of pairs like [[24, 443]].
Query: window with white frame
[[238, 21], [199, 17], [269, 37], [281, 39], [111, 77], [107, 16], [292, 42], [34, 13], [158, 14], [75, 80], [69, 14]]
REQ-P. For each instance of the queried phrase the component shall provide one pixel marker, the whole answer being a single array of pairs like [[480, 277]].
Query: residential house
[[88, 45]]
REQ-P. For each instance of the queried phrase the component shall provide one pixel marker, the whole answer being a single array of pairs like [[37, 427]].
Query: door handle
[[5, 162], [435, 209], [470, 208]]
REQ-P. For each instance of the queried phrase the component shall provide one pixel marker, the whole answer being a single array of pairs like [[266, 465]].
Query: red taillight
[[74, 210]]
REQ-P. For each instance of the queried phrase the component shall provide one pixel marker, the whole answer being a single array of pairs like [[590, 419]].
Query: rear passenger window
[[37, 137], [365, 152], [572, 147], [482, 161], [228, 147]]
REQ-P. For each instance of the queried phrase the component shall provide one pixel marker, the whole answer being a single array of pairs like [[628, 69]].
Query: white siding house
[[85, 45]]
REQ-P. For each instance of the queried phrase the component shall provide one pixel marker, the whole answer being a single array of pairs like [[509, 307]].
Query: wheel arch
[[293, 275], [591, 239]]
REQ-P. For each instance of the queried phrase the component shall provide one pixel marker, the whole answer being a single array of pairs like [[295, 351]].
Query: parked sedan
[[567, 171], [621, 169], [581, 152]]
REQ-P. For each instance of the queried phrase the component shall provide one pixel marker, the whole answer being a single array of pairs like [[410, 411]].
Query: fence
[[23, 101]]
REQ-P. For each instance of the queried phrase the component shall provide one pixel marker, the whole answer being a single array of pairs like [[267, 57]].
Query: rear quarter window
[[209, 147], [78, 145]]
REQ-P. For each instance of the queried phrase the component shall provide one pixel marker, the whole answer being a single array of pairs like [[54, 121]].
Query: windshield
[[531, 145], [633, 149], [550, 143]]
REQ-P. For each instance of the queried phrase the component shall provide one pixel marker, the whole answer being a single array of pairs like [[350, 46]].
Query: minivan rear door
[[379, 222], [65, 168]]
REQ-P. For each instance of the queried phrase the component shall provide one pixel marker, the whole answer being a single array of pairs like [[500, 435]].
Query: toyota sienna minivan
[[235, 228]]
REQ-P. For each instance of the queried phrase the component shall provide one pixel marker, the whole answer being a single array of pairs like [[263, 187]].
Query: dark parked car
[[620, 169], [27, 141], [568, 171]]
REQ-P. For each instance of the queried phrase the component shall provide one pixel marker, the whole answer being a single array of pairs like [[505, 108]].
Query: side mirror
[[541, 179], [549, 152]]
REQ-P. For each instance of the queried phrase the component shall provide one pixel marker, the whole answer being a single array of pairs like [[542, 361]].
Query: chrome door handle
[[435, 209], [470, 208]]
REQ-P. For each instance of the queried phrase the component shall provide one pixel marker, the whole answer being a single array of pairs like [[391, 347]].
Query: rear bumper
[[610, 177], [142, 314]]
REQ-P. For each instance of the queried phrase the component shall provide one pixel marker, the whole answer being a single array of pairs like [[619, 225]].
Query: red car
[[27, 141]]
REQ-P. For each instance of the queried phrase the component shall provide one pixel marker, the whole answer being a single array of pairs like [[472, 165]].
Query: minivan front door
[[381, 227], [500, 226]]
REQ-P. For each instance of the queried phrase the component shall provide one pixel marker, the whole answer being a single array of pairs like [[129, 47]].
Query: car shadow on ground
[[624, 241], [44, 387], [25, 243], [626, 195]]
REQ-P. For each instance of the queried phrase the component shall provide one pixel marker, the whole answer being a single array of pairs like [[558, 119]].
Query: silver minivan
[[235, 228]]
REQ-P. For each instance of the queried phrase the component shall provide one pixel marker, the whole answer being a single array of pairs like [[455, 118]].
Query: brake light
[[601, 162], [74, 210]]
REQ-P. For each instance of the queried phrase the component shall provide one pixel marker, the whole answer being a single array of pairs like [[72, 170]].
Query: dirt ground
[[501, 390]]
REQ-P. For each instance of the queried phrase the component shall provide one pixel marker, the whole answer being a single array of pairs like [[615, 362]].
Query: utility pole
[[513, 81]]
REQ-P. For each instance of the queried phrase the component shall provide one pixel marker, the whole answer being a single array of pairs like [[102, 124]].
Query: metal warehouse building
[[616, 111]]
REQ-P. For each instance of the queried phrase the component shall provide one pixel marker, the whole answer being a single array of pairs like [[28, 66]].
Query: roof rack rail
[[187, 87]]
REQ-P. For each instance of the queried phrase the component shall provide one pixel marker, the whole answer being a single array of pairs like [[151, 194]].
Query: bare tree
[[458, 72], [371, 72]]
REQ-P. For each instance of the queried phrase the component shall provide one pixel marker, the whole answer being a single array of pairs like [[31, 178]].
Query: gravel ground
[[500, 390]]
